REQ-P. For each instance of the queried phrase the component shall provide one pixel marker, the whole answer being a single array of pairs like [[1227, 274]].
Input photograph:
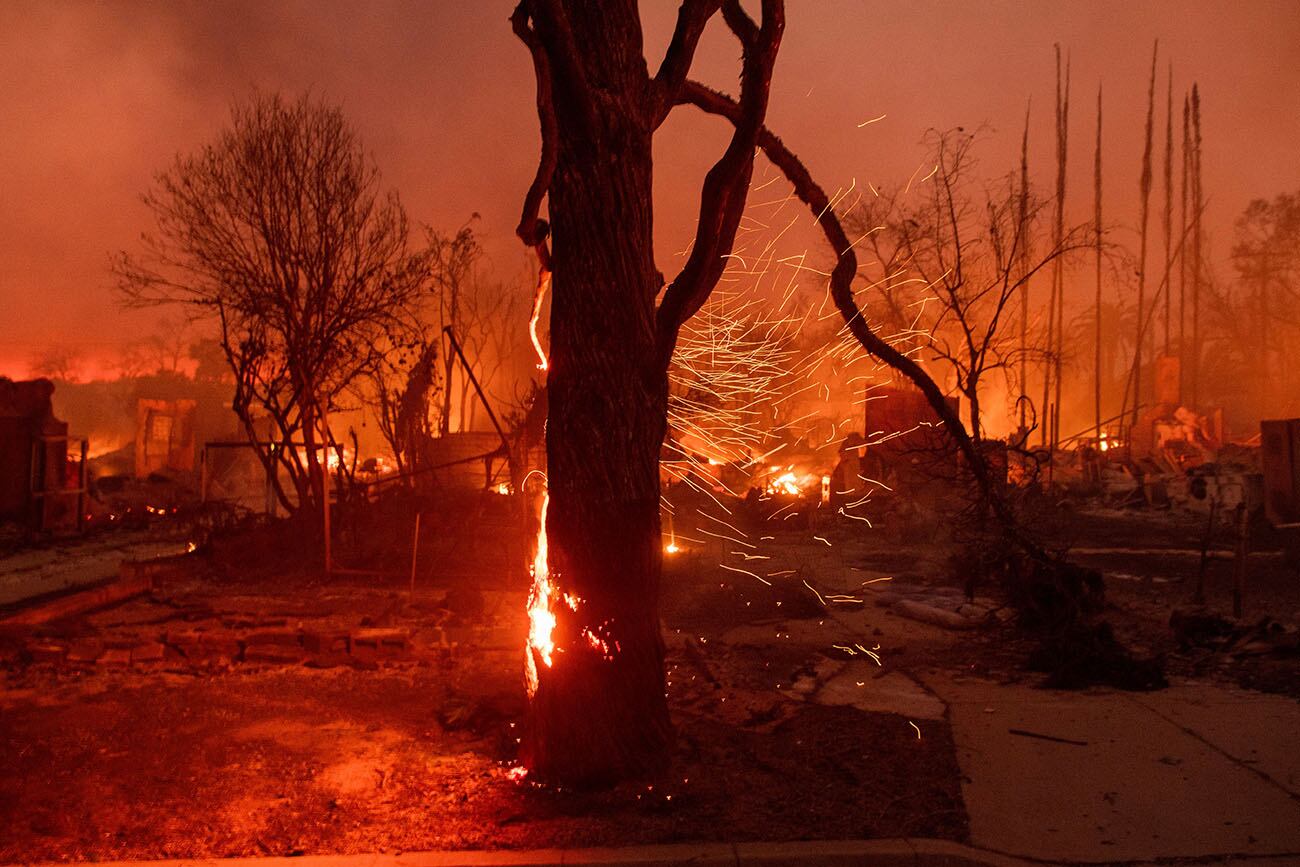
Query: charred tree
[[598, 712], [1097, 239], [1144, 186], [968, 246], [1022, 403], [1058, 227], [1167, 223], [280, 232], [1198, 207], [1182, 248]]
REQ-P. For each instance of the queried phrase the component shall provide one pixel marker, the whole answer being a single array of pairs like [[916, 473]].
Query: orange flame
[[543, 284], [786, 483], [541, 619], [543, 599]]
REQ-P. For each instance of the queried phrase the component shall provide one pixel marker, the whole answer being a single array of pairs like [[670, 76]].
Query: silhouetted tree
[[279, 232], [952, 256], [61, 363]]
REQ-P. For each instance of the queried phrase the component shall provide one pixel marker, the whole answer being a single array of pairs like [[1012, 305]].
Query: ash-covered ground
[[247, 706]]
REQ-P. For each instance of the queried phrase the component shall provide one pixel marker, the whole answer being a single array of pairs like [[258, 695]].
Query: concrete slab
[[893, 692], [685, 854], [84, 561], [809, 853], [1140, 787], [1260, 731]]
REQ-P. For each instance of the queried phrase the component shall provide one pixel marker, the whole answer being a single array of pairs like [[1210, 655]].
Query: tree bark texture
[[598, 712], [596, 715]]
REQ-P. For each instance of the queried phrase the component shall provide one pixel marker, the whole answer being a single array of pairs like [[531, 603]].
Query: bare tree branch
[[841, 289], [532, 230], [692, 17], [722, 198]]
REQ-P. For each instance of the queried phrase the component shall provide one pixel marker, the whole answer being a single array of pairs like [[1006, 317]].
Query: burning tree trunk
[[603, 712], [595, 657]]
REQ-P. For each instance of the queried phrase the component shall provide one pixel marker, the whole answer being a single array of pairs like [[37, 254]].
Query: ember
[[821, 372]]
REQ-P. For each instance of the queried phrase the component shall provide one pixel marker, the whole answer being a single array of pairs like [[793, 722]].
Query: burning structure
[[41, 488], [164, 438]]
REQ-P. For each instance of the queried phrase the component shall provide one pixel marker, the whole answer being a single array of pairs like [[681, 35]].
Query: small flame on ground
[[672, 547], [786, 483]]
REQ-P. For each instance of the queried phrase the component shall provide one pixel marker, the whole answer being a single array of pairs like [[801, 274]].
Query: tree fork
[[598, 711]]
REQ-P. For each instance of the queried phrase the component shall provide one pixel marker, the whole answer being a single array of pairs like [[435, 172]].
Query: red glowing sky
[[95, 98]]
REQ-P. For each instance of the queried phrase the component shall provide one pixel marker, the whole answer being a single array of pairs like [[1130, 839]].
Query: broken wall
[[26, 417]]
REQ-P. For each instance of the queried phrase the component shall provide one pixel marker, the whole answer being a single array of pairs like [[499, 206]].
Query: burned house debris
[[825, 478], [164, 438], [43, 482]]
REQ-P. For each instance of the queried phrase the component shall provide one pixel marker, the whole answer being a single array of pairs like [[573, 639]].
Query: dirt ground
[[228, 723], [257, 709]]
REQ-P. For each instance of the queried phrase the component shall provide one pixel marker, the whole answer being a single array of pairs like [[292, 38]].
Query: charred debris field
[[245, 710], [246, 707], [836, 454]]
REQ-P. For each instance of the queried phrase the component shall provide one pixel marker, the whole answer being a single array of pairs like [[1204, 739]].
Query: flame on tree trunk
[[598, 706], [595, 665]]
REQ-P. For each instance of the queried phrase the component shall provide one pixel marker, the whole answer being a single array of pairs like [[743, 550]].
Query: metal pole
[[1243, 550], [415, 551], [271, 468], [325, 501], [203, 475], [469, 371], [85, 486]]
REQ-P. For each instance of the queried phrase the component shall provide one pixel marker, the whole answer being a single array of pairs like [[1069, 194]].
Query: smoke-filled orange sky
[[94, 98]]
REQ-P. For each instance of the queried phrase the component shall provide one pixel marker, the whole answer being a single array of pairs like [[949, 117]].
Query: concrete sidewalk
[[829, 853], [822, 853], [1194, 771]]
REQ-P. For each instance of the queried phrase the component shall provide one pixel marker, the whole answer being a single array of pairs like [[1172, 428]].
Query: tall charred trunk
[[1097, 239], [599, 712]]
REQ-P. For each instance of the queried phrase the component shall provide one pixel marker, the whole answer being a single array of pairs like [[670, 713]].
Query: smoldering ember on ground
[[706, 502]]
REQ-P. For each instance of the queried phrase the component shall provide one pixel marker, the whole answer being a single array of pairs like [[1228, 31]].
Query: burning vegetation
[[863, 442]]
